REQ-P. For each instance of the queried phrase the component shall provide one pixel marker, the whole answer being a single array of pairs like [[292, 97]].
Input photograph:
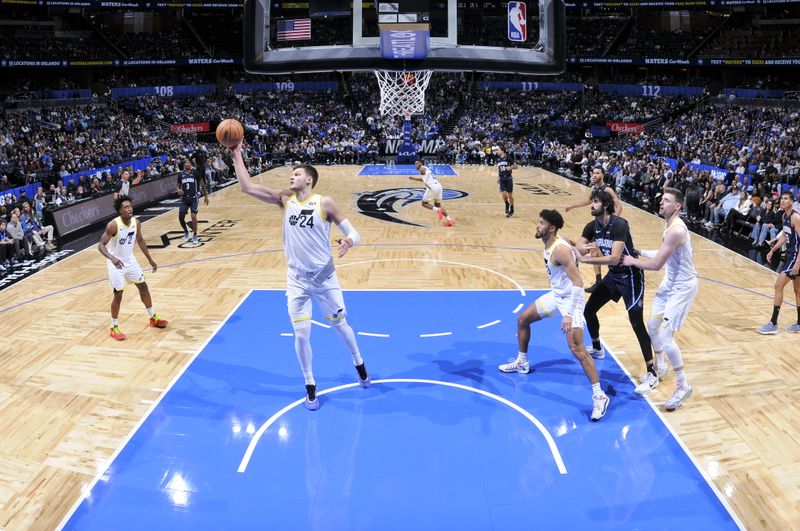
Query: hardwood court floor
[[69, 395]]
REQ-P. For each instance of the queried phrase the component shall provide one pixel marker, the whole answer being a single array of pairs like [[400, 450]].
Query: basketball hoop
[[403, 92]]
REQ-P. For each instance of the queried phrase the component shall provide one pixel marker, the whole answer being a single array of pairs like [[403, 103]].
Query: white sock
[[151, 311], [436, 209], [302, 347], [349, 339], [447, 218], [522, 357], [680, 377], [596, 391], [114, 322]]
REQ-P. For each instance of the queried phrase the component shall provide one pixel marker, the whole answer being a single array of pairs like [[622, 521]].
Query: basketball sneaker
[[116, 333], [363, 378], [195, 240], [793, 328], [596, 354], [599, 407], [449, 223], [510, 212], [647, 383], [312, 402], [157, 322], [514, 365], [682, 392], [768, 329]]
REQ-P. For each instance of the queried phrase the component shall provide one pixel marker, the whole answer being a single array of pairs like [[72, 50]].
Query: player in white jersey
[[433, 192], [306, 238], [567, 297], [674, 296], [116, 244]]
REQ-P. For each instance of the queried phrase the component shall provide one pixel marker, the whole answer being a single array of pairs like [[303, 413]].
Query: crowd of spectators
[[755, 149], [462, 124]]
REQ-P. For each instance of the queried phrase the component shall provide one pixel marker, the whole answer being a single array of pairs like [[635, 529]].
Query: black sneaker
[[363, 378], [312, 402], [510, 213], [507, 208]]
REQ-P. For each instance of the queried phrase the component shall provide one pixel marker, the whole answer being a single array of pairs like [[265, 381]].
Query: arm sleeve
[[349, 231], [576, 296]]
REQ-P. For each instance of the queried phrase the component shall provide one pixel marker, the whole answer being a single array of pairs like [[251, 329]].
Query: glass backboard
[[514, 37]]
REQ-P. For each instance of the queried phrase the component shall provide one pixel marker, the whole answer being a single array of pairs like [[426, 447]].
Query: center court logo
[[381, 204]]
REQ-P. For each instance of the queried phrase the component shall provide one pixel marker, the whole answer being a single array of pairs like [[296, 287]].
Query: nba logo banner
[[517, 28]]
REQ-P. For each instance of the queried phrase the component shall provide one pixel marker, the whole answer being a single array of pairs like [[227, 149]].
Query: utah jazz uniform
[[559, 297], [621, 281], [306, 239], [121, 246], [433, 188], [678, 289]]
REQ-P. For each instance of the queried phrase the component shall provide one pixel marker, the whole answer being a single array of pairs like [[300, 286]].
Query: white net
[[403, 92]]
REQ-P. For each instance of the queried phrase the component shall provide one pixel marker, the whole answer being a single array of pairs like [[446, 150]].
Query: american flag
[[294, 30]]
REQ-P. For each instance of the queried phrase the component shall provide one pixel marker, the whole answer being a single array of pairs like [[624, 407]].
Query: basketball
[[230, 132]]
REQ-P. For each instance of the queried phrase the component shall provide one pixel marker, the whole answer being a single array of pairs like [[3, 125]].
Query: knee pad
[[654, 328]]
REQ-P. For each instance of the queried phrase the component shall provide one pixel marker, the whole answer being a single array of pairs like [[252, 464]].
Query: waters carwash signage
[[517, 22], [405, 42]]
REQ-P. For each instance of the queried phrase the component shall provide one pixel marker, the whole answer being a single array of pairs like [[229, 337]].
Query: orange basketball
[[229, 132]]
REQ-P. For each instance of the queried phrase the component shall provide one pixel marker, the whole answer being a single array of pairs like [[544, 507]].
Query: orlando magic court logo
[[382, 204]]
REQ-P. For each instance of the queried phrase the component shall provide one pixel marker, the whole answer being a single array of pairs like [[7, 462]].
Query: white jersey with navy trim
[[121, 244], [679, 269], [559, 280], [430, 179], [306, 234]]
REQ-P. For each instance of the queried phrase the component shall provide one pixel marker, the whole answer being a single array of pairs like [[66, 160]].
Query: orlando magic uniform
[[621, 281], [678, 289], [602, 188], [560, 295], [792, 243], [433, 188], [121, 247], [504, 174], [188, 183], [306, 239]]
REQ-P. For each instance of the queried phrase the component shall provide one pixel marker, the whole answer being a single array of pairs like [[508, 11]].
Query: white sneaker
[[596, 354], [514, 365], [647, 383], [662, 371], [600, 407], [682, 392]]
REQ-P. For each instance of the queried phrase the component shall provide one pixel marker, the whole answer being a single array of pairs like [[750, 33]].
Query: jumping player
[[307, 221]]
